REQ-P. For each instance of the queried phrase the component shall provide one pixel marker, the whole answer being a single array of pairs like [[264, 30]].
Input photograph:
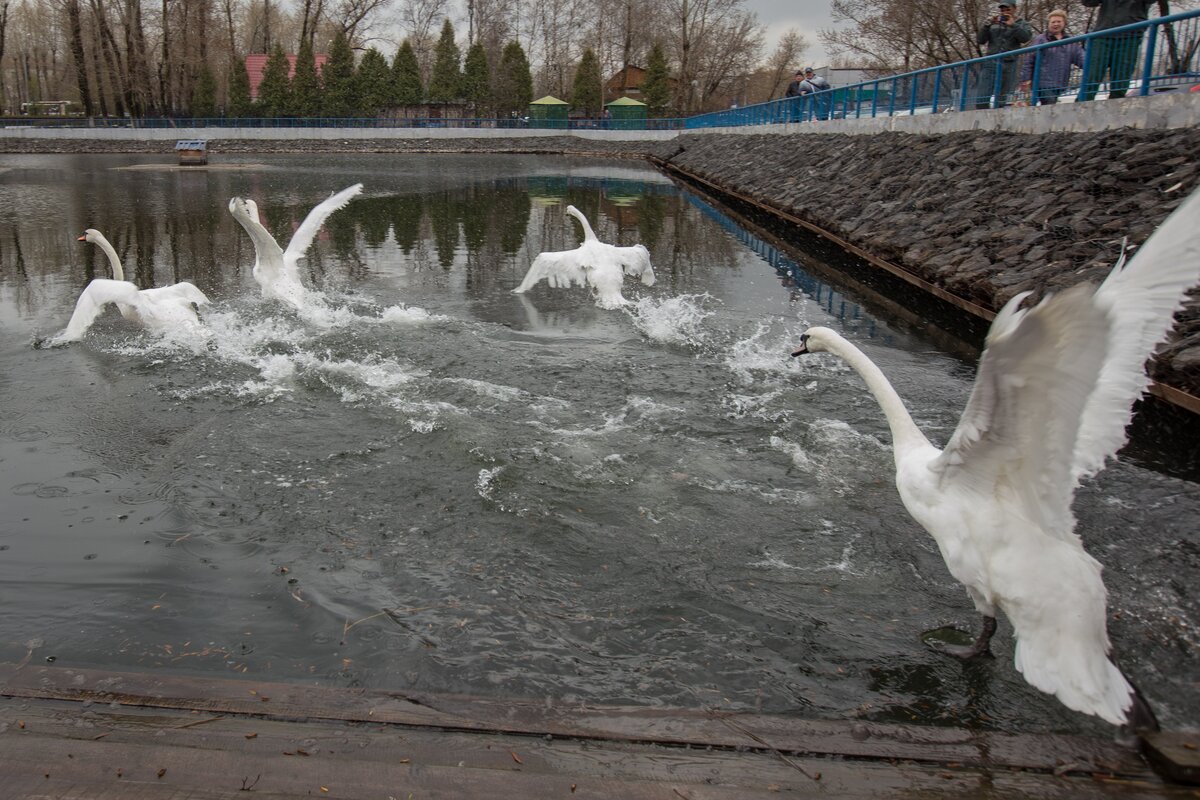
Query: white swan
[[275, 269], [1050, 404], [594, 263], [163, 308]]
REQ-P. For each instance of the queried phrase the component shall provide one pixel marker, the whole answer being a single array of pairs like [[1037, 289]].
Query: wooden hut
[[192, 152]]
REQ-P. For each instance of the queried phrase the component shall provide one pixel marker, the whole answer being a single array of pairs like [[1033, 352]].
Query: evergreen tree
[[340, 98], [656, 88], [204, 94], [273, 94], [406, 77], [445, 83], [374, 84], [585, 94], [239, 103], [513, 85], [477, 79], [306, 84]]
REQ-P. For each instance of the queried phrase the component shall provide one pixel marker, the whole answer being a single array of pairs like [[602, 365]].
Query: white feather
[[275, 269], [1050, 404], [594, 264], [160, 309]]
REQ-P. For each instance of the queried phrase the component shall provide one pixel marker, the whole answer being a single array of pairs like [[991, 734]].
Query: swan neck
[[588, 234], [118, 271], [905, 432]]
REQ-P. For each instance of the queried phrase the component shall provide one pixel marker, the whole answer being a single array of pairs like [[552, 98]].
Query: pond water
[[442, 486]]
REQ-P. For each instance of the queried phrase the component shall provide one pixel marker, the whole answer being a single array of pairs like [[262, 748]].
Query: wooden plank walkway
[[67, 733]]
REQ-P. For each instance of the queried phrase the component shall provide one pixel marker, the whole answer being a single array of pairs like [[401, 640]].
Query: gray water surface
[[441, 486]]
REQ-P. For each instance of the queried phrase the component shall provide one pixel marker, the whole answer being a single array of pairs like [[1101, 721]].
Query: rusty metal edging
[[1170, 394]]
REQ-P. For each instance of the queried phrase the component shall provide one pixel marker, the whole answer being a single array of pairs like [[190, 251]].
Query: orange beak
[[82, 238]]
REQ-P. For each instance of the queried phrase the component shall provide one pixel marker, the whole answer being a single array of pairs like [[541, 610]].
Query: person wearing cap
[[1053, 63], [1002, 33], [817, 86], [1114, 55], [793, 90]]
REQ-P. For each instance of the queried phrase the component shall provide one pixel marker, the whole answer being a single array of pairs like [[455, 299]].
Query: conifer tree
[[406, 77], [239, 103], [656, 88], [445, 83], [204, 94], [374, 80], [512, 87], [273, 100], [477, 79], [340, 97], [585, 93], [306, 84]]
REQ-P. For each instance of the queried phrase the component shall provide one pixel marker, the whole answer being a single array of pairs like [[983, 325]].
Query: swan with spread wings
[[1050, 404], [159, 309], [601, 267], [275, 269]]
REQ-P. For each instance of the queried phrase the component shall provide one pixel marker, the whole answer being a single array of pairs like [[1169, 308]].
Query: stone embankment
[[981, 214]]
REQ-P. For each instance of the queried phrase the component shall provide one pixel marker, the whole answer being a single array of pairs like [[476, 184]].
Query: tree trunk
[[75, 33]]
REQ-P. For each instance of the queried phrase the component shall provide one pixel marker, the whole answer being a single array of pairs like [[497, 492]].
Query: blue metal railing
[[663, 124], [1168, 48]]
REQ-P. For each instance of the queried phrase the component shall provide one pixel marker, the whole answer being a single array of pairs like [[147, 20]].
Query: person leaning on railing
[[1114, 55], [1053, 63]]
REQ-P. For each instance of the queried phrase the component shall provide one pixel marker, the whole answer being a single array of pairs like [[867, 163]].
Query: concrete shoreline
[[980, 205]]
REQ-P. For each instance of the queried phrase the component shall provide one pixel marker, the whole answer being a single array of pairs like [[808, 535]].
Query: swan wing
[[303, 238], [1018, 432], [92, 300], [560, 269], [182, 293], [1140, 299]]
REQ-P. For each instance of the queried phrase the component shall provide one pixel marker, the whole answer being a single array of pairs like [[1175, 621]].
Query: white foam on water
[[485, 484], [674, 320], [800, 458], [406, 315]]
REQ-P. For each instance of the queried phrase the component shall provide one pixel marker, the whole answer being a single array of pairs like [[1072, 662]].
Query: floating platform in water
[[67, 733]]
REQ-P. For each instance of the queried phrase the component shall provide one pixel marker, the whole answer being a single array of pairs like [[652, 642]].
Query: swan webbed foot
[[953, 642]]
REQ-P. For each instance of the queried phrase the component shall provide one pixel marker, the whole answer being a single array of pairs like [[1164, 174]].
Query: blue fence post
[[892, 99], [1086, 92], [912, 96], [1035, 78], [937, 90], [874, 99], [1148, 62], [966, 88]]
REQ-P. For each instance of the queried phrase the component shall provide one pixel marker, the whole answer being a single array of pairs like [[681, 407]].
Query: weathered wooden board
[[66, 749], [673, 726], [68, 733]]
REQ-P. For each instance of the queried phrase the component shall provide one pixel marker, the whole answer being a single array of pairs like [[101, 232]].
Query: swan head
[[243, 209], [816, 340], [90, 235]]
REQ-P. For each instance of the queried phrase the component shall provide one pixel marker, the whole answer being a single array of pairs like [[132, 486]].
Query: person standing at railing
[[1002, 33], [816, 86], [1114, 55], [1053, 63], [793, 90]]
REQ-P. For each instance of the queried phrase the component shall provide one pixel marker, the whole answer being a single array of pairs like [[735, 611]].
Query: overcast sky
[[807, 16]]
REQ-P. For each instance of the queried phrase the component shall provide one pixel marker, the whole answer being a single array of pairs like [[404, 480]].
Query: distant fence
[[664, 124], [1158, 55]]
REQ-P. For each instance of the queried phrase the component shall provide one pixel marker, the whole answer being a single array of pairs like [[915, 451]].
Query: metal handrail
[[665, 123], [924, 89]]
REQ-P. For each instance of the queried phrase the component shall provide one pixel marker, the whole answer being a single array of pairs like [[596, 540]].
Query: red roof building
[[256, 64]]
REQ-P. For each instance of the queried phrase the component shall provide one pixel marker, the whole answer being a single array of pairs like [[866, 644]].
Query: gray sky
[[807, 16]]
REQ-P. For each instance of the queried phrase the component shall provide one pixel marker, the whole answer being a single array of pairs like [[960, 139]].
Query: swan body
[[163, 308], [275, 269], [594, 264], [1050, 404]]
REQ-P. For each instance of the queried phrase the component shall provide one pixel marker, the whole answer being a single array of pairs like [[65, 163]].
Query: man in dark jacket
[[1002, 33], [1114, 55], [793, 90]]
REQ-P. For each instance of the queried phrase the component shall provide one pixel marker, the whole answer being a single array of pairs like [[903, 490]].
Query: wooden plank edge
[[632, 725]]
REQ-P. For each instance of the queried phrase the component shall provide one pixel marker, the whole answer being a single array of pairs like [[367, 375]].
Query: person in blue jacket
[[1053, 63]]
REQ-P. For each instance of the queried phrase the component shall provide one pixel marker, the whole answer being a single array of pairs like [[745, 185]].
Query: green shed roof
[[549, 100], [625, 101]]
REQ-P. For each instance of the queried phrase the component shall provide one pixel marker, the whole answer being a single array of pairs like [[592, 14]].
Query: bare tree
[[714, 41], [421, 19], [784, 60]]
